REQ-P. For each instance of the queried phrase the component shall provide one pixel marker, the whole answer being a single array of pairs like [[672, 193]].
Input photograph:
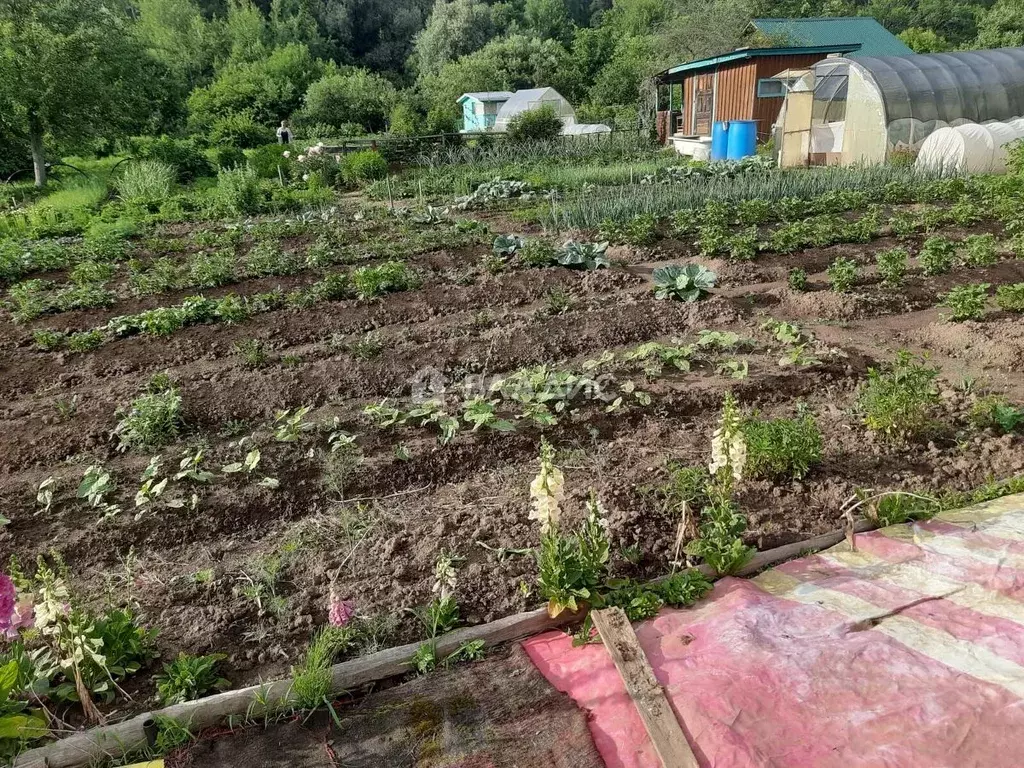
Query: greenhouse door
[[703, 104]]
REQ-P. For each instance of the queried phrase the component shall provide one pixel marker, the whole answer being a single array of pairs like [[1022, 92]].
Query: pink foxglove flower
[[341, 611], [22, 618], [8, 599]]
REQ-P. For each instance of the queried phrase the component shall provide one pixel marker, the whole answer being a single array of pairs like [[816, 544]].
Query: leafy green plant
[[19, 724], [892, 266], [979, 250], [253, 352], [289, 425], [690, 282], [506, 246], [782, 447], [995, 412], [1010, 297], [936, 256], [189, 677], [238, 190], [389, 277], [538, 253], [743, 245], [966, 302], [898, 399], [153, 419], [583, 255], [842, 273], [558, 301], [797, 279]]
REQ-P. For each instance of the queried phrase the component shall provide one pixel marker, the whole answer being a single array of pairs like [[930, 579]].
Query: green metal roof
[[753, 53], [874, 39]]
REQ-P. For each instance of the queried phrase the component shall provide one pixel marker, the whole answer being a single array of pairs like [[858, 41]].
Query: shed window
[[769, 88]]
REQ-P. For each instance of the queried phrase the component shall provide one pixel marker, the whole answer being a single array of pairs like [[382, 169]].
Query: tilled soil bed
[[247, 570]]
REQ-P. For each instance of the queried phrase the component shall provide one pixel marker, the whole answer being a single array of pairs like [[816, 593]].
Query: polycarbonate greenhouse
[[532, 98], [860, 110]]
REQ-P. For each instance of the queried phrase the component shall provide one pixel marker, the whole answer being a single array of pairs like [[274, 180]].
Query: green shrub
[[189, 677], [184, 155], [892, 266], [1011, 297], [966, 302], [389, 277], [540, 124], [268, 160], [226, 156], [152, 420], [367, 165], [936, 256], [538, 253], [146, 182], [842, 273], [239, 130], [898, 400], [238, 191], [782, 447]]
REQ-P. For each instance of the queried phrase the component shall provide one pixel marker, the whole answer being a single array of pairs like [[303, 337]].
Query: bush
[[364, 166], [1011, 297], [980, 250], [184, 155], [966, 302], [898, 401], [782, 447], [239, 130], [228, 157], [266, 161], [540, 124], [389, 277], [238, 190], [356, 97], [146, 183]]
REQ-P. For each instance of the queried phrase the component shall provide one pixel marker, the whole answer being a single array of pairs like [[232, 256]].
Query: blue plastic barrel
[[719, 141], [742, 140]]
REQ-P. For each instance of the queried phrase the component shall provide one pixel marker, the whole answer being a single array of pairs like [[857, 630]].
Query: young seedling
[[797, 279]]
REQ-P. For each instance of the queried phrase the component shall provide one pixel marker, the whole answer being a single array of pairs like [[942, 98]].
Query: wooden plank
[[660, 720]]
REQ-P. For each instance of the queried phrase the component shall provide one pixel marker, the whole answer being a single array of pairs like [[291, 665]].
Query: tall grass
[[146, 182], [586, 209], [76, 192]]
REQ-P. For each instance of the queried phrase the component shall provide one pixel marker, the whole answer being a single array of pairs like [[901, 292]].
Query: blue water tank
[[719, 141], [742, 140]]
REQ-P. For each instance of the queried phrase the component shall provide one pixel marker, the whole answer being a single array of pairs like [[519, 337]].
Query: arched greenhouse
[[850, 111]]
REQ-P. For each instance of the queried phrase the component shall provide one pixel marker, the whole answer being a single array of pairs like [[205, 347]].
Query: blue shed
[[480, 109]]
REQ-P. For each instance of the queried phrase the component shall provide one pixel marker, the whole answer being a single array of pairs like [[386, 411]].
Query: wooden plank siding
[[736, 91]]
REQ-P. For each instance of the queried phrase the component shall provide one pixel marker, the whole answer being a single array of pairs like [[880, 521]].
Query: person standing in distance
[[284, 133]]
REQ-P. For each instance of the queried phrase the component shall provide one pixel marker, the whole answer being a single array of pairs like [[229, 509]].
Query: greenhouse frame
[[532, 98], [859, 111]]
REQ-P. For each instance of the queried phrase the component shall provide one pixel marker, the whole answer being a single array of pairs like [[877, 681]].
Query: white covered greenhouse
[[952, 109]]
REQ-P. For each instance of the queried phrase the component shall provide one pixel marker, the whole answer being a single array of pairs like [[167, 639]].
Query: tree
[[175, 33], [924, 40], [619, 80], [246, 31], [1002, 26], [292, 21], [354, 97], [510, 64], [455, 28], [376, 33], [68, 71], [270, 88], [549, 20]]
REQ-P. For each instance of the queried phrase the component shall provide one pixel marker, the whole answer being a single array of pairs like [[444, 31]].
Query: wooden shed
[[739, 85]]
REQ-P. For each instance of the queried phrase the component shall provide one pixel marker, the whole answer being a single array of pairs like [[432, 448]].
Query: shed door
[[703, 103]]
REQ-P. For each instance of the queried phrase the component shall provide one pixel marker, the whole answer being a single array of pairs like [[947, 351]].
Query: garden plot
[[253, 419]]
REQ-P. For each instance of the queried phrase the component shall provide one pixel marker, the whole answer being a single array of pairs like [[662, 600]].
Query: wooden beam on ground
[[655, 710]]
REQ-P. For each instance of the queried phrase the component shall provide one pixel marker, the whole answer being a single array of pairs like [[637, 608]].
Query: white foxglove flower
[[287, 153]]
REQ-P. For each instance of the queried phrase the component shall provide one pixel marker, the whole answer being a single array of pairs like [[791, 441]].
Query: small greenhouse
[[533, 98], [849, 111], [585, 129]]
